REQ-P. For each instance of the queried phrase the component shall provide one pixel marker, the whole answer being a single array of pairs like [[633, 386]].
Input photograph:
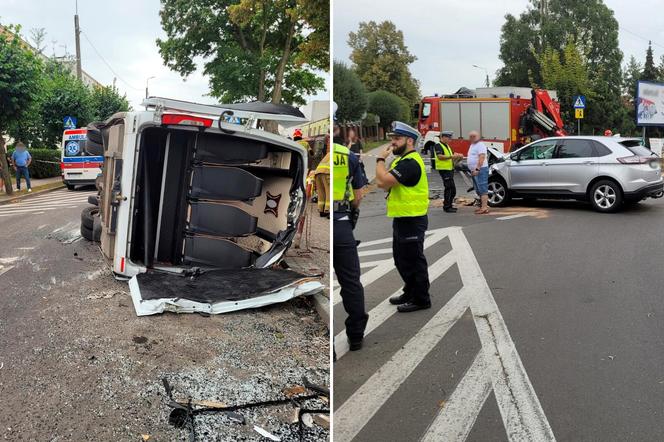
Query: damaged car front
[[198, 210]]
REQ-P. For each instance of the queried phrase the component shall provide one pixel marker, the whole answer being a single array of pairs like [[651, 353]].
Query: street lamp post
[[485, 71], [146, 85]]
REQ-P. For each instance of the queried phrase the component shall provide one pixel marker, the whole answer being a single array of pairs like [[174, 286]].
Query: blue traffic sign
[[579, 102], [70, 122]]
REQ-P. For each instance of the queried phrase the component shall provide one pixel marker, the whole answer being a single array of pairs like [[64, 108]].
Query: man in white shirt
[[479, 168]]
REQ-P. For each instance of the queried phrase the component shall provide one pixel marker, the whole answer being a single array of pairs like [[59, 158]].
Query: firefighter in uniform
[[407, 205], [347, 184], [444, 159]]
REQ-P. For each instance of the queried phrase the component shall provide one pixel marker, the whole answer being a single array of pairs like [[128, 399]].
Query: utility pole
[[77, 31]]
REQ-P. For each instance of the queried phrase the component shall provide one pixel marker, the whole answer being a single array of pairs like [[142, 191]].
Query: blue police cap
[[399, 128]]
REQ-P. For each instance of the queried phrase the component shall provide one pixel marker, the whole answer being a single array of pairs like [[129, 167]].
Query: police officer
[[407, 205], [347, 184], [444, 163]]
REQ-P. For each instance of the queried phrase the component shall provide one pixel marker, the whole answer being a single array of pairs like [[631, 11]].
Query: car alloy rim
[[605, 196], [496, 192]]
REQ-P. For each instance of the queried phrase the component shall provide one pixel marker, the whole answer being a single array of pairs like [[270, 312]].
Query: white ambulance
[[81, 158], [197, 209]]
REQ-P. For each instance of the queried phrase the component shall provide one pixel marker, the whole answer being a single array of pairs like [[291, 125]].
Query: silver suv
[[606, 171]]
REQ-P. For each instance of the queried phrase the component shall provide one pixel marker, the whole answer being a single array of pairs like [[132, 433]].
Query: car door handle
[[544, 163], [588, 163]]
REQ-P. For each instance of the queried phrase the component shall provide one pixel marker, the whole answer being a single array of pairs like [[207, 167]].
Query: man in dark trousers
[[444, 160], [347, 184], [407, 205]]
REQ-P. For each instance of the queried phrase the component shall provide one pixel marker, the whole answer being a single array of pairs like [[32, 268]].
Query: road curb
[[38, 192], [322, 304]]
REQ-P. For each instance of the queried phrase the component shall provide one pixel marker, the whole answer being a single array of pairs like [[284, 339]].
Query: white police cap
[[399, 128]]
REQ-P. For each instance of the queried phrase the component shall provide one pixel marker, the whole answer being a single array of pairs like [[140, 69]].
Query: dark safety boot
[[400, 299], [412, 307]]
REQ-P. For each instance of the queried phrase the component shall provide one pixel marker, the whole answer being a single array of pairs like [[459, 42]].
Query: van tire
[[86, 233], [87, 217], [96, 228]]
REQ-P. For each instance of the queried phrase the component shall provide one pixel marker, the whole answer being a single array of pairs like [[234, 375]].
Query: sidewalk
[[39, 185], [310, 255]]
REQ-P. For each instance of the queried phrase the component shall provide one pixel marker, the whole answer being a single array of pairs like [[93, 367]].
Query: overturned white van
[[197, 205]]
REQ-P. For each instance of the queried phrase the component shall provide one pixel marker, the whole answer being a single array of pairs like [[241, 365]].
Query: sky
[[124, 34], [448, 37]]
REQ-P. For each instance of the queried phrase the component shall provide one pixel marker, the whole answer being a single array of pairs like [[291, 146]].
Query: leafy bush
[[45, 162]]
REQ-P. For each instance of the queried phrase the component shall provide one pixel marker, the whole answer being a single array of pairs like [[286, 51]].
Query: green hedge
[[45, 162]]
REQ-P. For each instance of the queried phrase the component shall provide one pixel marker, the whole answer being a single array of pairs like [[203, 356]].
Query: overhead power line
[[108, 65], [641, 37]]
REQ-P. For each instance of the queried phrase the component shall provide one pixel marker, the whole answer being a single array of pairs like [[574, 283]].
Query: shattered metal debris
[[183, 414]]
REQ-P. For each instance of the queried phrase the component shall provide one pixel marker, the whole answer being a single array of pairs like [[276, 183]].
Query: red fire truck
[[506, 117]]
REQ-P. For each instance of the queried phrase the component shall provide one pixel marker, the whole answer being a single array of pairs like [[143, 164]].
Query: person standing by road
[[347, 186], [444, 161], [22, 159], [407, 205], [479, 168]]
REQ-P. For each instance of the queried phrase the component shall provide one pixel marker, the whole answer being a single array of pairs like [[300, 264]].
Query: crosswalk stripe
[[18, 212], [363, 404], [33, 206], [458, 415], [374, 252], [387, 265], [52, 198], [383, 311], [522, 413]]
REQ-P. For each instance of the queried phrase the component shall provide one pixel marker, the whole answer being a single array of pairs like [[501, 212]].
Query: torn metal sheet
[[174, 304]]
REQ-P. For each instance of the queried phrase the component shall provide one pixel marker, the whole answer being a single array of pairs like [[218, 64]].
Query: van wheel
[[87, 215], [606, 196], [499, 195]]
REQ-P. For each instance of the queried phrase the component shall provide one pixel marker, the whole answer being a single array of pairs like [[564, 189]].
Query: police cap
[[399, 128], [447, 133]]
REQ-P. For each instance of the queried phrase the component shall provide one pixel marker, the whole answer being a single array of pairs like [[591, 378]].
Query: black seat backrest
[[224, 183], [215, 252], [226, 149], [220, 220]]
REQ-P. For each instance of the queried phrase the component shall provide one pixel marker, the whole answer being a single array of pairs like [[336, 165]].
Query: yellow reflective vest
[[444, 164], [341, 190], [404, 201]]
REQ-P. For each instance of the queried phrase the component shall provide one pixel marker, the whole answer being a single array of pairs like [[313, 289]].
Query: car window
[[601, 150], [575, 149], [538, 151], [639, 150]]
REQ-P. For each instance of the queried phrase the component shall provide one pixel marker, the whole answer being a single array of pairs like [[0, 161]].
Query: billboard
[[649, 103]]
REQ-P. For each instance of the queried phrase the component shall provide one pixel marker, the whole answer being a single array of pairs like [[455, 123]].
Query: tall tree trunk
[[6, 176], [279, 76], [272, 126]]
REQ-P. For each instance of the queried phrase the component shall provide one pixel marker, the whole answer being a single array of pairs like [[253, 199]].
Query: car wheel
[[606, 196], [498, 193], [71, 187]]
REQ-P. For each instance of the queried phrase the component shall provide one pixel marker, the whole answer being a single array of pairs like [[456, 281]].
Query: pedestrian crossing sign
[[580, 102], [578, 114], [70, 122]]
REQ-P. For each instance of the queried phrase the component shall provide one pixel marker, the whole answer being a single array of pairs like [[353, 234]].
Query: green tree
[[62, 95], [565, 72], [631, 74], [593, 28], [19, 78], [650, 72], [105, 101], [388, 107], [252, 49], [380, 58], [349, 94]]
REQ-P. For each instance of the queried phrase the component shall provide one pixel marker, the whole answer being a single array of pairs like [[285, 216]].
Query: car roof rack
[[281, 113]]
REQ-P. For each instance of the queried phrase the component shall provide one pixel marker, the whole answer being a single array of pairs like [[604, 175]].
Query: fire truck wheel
[[499, 195]]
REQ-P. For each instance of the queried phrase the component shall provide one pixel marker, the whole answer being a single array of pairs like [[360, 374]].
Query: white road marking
[[362, 405], [374, 252], [497, 366], [387, 265], [4, 269], [383, 311], [518, 215], [461, 409], [372, 263], [522, 413]]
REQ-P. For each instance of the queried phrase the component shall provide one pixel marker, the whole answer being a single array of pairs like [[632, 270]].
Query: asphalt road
[[76, 363], [547, 322]]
